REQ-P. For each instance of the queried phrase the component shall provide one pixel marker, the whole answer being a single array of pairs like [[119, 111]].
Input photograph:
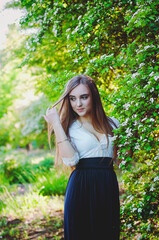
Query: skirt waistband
[[95, 162]]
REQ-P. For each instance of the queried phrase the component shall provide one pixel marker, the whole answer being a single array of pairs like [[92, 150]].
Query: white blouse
[[87, 145]]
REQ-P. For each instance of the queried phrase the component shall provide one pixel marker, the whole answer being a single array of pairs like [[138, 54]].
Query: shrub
[[16, 168], [140, 206], [16, 172], [53, 183]]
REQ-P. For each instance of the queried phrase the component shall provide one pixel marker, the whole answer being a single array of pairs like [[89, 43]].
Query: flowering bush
[[139, 208], [136, 106]]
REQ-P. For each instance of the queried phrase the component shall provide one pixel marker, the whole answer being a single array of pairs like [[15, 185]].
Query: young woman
[[84, 141]]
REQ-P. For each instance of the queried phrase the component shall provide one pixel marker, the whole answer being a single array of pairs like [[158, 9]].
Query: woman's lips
[[80, 109]]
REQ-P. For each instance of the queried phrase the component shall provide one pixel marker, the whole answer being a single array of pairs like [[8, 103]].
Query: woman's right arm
[[66, 150]]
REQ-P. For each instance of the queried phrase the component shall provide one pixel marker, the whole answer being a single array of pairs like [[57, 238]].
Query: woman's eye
[[84, 97], [72, 98]]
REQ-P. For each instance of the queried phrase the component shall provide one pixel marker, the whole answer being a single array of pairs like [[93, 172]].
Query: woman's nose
[[79, 103]]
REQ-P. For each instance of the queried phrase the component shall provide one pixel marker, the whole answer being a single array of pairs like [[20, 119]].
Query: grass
[[32, 215], [27, 209], [46, 227]]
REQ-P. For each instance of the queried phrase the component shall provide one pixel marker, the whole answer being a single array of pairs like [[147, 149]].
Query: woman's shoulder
[[74, 124], [114, 120]]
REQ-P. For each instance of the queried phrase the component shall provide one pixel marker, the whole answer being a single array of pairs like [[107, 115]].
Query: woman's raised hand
[[52, 116]]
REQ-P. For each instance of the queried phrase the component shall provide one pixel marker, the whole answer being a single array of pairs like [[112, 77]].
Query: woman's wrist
[[55, 124], [61, 141]]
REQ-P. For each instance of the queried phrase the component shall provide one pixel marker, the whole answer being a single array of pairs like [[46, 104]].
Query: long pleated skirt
[[91, 208]]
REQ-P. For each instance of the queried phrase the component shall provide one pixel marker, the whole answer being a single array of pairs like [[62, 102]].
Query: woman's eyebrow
[[71, 96], [85, 94]]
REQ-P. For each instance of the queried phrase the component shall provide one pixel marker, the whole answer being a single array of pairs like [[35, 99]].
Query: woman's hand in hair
[[52, 116], [66, 151]]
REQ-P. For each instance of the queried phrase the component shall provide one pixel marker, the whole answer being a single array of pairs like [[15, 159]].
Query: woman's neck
[[84, 120]]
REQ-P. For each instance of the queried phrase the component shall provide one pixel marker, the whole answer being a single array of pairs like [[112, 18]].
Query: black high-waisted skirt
[[91, 208]]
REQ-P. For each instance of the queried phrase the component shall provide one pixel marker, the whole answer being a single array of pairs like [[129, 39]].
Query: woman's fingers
[[45, 118], [48, 110], [51, 115], [51, 110]]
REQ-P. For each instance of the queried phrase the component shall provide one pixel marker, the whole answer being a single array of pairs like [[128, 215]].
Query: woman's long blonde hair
[[100, 121]]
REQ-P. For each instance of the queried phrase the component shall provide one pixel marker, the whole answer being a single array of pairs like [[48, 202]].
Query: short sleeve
[[116, 122], [71, 161]]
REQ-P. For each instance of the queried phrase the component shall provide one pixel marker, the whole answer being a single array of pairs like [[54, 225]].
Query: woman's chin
[[81, 115]]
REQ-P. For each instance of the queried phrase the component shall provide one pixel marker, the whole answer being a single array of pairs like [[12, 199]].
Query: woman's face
[[81, 100]]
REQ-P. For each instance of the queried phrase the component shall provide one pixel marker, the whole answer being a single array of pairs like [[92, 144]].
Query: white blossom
[[123, 162], [156, 179], [126, 106], [134, 209], [135, 123], [139, 238], [148, 163], [125, 123], [152, 100], [151, 212], [142, 95], [134, 115], [79, 17], [149, 227], [129, 134], [119, 165], [88, 51], [141, 64], [128, 130], [152, 120], [152, 188], [138, 51], [140, 210], [118, 76], [156, 157], [140, 126], [131, 198], [129, 225], [146, 47], [113, 138], [156, 78], [151, 74], [144, 119], [135, 74], [152, 90], [145, 86], [137, 147]]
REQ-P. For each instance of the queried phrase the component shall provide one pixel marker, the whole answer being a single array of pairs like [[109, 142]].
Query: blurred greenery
[[116, 43], [52, 184]]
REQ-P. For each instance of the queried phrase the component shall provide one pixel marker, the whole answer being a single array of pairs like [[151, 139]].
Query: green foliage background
[[116, 43]]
